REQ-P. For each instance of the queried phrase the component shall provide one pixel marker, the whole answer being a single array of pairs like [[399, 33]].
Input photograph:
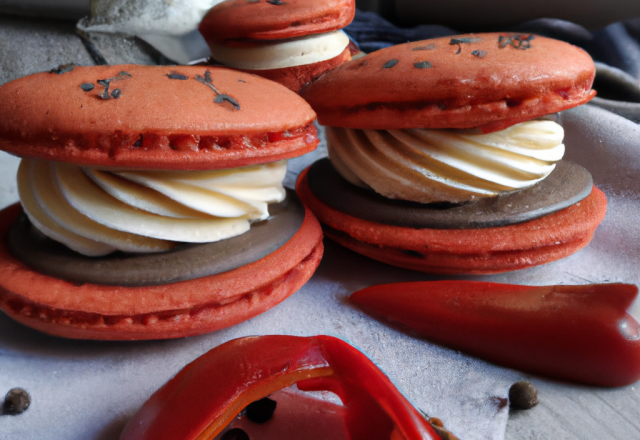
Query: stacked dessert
[[445, 154], [161, 173], [291, 42]]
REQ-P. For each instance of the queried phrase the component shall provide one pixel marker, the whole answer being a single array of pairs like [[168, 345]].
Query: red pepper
[[575, 333], [209, 392]]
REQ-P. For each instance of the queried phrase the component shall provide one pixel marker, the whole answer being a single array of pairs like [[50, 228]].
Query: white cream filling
[[277, 54], [446, 165], [96, 212]]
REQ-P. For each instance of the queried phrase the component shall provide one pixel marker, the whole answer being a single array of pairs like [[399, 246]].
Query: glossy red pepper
[[576, 333], [209, 392]]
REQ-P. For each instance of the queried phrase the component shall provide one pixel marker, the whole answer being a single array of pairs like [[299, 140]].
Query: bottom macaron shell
[[90, 311], [464, 251], [294, 78]]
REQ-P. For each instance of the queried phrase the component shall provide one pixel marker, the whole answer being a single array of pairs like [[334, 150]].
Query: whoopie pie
[[145, 193], [291, 42], [446, 154]]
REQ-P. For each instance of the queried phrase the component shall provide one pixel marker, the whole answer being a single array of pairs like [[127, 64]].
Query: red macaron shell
[[465, 81], [294, 78], [464, 251], [156, 117], [186, 308], [275, 19]]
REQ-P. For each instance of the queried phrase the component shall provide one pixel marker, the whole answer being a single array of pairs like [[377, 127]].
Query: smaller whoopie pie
[[145, 194], [446, 156], [291, 42]]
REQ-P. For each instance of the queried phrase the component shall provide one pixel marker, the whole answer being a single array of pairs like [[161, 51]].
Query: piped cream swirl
[[277, 54], [96, 212], [446, 165]]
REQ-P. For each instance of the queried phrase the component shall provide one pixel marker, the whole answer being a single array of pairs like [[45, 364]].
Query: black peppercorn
[[16, 401], [261, 410], [235, 434], [523, 395]]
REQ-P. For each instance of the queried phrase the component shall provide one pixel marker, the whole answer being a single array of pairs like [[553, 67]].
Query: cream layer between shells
[[277, 54], [446, 165], [97, 212]]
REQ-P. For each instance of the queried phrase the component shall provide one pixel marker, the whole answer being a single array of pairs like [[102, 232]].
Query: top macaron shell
[[462, 81], [275, 19], [153, 117]]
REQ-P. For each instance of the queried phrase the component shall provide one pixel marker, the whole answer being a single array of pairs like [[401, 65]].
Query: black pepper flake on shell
[[252, 1], [220, 98], [87, 87], [242, 81], [138, 142], [479, 53], [107, 82], [276, 2], [63, 68], [16, 401], [261, 410], [522, 42], [176, 75], [463, 40], [389, 64], [235, 434], [104, 83], [423, 65], [123, 75], [431, 46]]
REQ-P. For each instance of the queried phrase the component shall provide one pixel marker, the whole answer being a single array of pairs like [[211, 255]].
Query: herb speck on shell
[[465, 40], [276, 2], [479, 53], [104, 83], [431, 46], [460, 41], [123, 75], [423, 65], [389, 64], [221, 98], [176, 75], [63, 68], [87, 87]]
